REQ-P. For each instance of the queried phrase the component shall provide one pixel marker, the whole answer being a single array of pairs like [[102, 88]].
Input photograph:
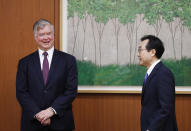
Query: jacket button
[[45, 91]]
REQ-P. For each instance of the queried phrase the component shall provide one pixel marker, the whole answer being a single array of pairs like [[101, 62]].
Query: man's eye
[[41, 34]]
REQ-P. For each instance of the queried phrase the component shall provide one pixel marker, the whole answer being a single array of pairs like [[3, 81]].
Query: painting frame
[[102, 89]]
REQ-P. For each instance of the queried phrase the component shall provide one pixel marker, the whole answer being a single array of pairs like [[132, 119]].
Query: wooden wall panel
[[183, 111], [120, 112], [16, 35], [107, 112]]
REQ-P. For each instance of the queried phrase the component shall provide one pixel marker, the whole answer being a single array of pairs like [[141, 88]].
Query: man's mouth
[[46, 42]]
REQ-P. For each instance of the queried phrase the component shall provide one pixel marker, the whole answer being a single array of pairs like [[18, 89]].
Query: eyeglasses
[[139, 50]]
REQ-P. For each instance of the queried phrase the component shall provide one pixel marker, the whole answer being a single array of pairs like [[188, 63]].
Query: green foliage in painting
[[154, 12], [89, 74]]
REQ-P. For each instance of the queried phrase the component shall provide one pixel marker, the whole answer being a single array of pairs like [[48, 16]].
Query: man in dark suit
[[158, 92], [46, 84]]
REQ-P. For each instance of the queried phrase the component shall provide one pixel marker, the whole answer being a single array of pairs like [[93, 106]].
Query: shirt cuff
[[53, 110]]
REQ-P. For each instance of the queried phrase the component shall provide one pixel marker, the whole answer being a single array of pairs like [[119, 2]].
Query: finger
[[40, 118], [44, 120]]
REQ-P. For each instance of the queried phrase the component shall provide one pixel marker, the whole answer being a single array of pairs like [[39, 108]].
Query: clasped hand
[[44, 116]]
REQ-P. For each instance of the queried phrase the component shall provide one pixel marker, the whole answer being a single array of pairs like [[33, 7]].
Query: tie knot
[[45, 53]]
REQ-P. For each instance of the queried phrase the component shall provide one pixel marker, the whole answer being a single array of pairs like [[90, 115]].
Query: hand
[[43, 115], [46, 122]]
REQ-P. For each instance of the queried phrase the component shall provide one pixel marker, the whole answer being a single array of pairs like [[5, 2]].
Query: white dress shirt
[[152, 67], [49, 56]]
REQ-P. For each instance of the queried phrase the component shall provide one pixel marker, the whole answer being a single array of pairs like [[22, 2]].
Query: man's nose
[[45, 37]]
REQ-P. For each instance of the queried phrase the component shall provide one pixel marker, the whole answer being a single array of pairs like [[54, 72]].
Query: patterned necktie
[[145, 78], [45, 68]]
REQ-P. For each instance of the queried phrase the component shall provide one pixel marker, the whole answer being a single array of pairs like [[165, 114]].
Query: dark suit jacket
[[158, 101], [59, 91]]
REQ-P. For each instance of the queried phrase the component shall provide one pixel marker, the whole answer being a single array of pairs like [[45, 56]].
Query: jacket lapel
[[52, 66], [155, 69], [36, 62], [146, 84]]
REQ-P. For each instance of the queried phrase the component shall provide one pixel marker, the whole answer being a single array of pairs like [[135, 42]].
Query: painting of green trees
[[104, 35]]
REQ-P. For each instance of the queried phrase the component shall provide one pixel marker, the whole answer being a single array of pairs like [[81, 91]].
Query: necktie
[[145, 78], [45, 68]]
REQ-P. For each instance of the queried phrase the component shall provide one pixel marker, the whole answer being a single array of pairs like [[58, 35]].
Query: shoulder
[[65, 55], [165, 79], [164, 70], [28, 58]]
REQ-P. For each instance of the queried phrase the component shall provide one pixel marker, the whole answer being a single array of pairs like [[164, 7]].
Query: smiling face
[[44, 38]]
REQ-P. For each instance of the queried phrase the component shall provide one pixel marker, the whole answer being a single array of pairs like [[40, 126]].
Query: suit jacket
[[158, 101], [59, 91]]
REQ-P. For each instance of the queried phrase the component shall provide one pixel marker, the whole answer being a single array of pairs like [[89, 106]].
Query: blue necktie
[[45, 68], [145, 78]]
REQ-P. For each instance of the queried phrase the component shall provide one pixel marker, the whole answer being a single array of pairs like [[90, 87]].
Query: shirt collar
[[50, 51], [152, 67]]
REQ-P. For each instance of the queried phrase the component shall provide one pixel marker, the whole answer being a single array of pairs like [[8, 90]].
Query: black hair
[[154, 43]]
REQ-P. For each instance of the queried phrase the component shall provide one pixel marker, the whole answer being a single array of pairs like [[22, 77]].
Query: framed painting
[[103, 35]]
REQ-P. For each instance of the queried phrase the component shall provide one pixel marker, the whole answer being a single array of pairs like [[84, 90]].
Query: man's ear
[[153, 52], [35, 37]]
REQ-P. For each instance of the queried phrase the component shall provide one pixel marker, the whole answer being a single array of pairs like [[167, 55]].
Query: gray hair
[[41, 23]]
